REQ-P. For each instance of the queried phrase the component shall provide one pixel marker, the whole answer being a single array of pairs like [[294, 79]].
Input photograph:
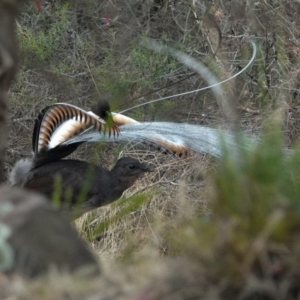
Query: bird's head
[[130, 168], [101, 109]]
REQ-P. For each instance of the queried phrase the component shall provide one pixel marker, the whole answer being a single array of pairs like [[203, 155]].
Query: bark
[[8, 64]]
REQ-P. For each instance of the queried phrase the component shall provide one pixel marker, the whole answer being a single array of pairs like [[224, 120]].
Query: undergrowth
[[247, 246]]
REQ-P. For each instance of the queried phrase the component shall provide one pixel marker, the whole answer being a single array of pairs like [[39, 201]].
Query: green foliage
[[282, 57], [152, 64], [116, 86], [126, 206], [47, 37], [146, 68], [263, 93]]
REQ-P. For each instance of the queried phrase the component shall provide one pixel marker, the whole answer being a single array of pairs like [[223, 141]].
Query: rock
[[34, 237]]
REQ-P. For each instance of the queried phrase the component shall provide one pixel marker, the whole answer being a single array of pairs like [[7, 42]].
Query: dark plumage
[[102, 109], [80, 183]]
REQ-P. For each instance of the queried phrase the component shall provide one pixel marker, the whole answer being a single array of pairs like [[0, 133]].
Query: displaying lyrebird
[[177, 138], [79, 184], [61, 128]]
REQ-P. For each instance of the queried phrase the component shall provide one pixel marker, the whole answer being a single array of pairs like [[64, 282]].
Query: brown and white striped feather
[[62, 121], [157, 141], [161, 142]]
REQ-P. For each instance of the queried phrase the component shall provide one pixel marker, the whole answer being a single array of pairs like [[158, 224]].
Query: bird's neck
[[123, 182]]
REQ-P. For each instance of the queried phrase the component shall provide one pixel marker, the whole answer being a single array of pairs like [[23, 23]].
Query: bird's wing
[[42, 185], [63, 177]]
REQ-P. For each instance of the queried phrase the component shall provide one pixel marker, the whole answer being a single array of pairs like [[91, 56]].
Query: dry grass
[[149, 279], [175, 189]]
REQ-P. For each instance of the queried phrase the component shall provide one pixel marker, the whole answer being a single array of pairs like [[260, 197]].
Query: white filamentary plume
[[199, 69], [19, 173], [191, 137]]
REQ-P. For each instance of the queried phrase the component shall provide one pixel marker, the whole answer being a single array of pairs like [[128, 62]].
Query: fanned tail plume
[[177, 138], [60, 122], [61, 128]]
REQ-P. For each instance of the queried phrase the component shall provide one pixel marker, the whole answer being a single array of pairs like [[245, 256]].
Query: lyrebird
[[61, 128], [80, 184]]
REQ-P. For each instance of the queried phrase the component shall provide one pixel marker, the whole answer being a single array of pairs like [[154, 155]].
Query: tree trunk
[[8, 64]]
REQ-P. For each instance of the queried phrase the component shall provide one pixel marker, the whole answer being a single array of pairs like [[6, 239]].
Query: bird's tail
[[59, 122], [19, 173], [58, 134], [178, 138]]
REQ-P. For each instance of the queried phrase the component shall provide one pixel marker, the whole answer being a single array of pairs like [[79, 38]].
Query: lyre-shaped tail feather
[[178, 138], [60, 122], [156, 141], [61, 128]]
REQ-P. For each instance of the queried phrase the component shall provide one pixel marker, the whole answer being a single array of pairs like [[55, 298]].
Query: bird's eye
[[131, 167]]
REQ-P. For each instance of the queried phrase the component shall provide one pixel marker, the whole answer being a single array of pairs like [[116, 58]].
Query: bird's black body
[[83, 184]]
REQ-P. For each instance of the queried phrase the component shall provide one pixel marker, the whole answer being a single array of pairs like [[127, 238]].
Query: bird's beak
[[147, 168]]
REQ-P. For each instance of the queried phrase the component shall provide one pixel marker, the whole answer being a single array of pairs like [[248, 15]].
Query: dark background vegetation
[[230, 234]]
